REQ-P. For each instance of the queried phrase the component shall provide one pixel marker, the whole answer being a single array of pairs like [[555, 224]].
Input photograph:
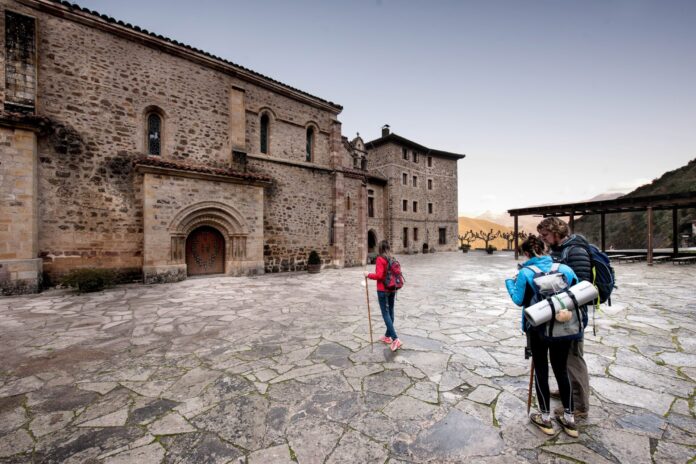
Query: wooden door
[[205, 252]]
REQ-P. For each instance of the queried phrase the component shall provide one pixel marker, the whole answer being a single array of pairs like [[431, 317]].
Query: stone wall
[[20, 271], [388, 160], [97, 88], [177, 203]]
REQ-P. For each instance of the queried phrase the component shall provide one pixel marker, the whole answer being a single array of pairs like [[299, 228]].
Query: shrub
[[314, 258], [490, 249], [89, 280]]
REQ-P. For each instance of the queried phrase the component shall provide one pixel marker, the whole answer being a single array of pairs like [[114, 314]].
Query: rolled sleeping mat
[[540, 312]]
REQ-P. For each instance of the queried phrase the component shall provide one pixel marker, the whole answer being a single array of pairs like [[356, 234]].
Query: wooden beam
[[675, 233], [571, 223], [517, 241], [650, 236], [602, 232]]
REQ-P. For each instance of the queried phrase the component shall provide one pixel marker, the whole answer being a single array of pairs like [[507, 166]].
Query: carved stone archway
[[220, 216]]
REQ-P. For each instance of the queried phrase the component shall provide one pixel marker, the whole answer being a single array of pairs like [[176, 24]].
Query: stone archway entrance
[[425, 248], [371, 241], [205, 251]]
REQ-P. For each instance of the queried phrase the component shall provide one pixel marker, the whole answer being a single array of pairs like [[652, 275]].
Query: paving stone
[[199, 448], [170, 424], [624, 446], [21, 386], [277, 454], [455, 438], [619, 392], [49, 423], [483, 394], [16, 442], [153, 453], [354, 447], [265, 363]]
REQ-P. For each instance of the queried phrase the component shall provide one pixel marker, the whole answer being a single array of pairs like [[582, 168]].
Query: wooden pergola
[[670, 201]]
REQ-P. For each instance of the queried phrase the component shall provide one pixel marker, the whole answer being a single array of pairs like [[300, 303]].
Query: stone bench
[[684, 260]]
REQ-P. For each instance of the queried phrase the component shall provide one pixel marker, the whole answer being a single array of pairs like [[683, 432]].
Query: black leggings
[[559, 357]]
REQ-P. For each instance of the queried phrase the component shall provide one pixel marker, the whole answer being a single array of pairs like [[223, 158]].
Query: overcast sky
[[551, 101]]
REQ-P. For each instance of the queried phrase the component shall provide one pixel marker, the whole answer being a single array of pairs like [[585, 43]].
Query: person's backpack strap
[[555, 267], [535, 269]]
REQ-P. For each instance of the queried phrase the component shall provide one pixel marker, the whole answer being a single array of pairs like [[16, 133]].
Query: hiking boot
[[555, 394], [568, 427], [396, 344], [385, 339], [544, 425], [577, 413]]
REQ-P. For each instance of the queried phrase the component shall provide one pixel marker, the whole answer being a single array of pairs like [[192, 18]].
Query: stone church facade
[[126, 150]]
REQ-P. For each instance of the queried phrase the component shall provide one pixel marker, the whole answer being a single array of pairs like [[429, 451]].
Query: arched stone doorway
[[205, 251], [371, 241], [425, 248]]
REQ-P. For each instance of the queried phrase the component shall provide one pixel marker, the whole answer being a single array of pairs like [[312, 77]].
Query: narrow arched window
[[310, 144], [264, 133], [154, 134]]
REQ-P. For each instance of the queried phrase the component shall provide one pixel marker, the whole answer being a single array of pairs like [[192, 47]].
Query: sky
[[551, 101]]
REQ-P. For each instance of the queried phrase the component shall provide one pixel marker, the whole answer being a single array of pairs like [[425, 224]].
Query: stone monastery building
[[127, 150]]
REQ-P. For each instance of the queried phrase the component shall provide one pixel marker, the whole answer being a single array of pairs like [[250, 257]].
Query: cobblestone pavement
[[279, 369]]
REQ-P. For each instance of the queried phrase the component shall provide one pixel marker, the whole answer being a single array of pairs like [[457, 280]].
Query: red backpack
[[394, 279]]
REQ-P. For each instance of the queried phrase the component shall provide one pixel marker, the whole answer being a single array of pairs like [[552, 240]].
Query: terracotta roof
[[398, 140], [111, 20], [184, 166]]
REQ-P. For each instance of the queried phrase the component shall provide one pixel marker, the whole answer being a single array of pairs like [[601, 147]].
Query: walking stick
[[531, 382], [369, 317]]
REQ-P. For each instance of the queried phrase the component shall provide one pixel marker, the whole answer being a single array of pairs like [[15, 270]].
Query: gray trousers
[[579, 377]]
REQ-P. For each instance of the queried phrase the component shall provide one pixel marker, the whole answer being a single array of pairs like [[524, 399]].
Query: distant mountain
[[606, 196], [525, 223], [629, 230]]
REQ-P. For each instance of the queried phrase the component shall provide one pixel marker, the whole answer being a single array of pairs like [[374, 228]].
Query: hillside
[[629, 230], [467, 223]]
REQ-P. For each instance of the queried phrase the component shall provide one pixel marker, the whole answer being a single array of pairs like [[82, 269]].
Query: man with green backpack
[[572, 251]]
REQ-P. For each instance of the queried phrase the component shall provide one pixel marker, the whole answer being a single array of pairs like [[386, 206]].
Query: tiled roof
[[183, 166], [109, 19], [398, 140]]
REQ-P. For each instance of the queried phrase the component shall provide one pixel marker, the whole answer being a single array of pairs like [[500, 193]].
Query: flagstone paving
[[280, 369]]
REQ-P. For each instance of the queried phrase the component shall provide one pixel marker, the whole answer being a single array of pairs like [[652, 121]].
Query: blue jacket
[[517, 288]]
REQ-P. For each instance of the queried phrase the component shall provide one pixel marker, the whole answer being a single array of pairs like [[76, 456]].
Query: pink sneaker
[[385, 339], [396, 344]]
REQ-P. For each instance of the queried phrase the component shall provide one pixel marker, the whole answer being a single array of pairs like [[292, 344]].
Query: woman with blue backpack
[[385, 296], [525, 291]]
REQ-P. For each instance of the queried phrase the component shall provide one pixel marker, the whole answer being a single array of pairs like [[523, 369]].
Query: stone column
[[20, 267]]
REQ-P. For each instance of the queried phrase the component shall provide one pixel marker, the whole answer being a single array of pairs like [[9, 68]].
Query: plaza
[[279, 368]]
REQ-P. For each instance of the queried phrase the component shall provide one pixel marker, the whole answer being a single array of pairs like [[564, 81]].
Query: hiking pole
[[369, 317], [531, 382]]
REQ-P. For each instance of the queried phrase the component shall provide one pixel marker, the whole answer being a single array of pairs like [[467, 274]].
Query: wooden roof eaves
[[618, 205]]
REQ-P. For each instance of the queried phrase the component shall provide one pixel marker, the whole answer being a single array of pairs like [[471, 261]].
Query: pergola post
[[517, 241], [602, 231], [571, 223], [650, 236], [675, 236]]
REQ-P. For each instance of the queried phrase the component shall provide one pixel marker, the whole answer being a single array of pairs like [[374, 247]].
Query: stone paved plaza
[[279, 369]]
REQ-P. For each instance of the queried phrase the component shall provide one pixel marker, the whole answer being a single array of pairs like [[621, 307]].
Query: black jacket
[[577, 257]]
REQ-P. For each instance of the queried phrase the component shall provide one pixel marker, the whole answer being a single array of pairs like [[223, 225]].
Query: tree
[[487, 236], [468, 237], [510, 237]]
